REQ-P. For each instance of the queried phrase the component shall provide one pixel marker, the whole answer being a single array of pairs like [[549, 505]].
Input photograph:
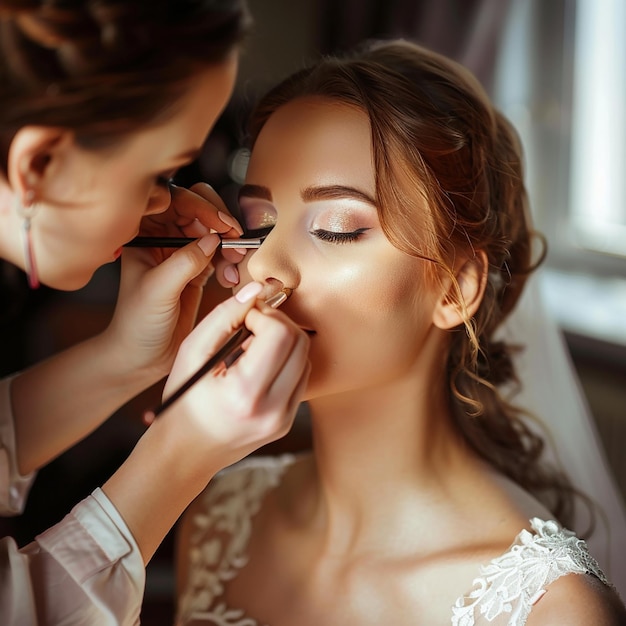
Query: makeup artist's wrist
[[155, 485], [191, 454]]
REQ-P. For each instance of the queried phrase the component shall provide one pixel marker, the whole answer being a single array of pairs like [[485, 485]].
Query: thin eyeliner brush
[[227, 355], [179, 242]]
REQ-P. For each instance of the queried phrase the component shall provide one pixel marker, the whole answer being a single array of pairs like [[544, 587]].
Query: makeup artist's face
[[365, 302], [98, 197]]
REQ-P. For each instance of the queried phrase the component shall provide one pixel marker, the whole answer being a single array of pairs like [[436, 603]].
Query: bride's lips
[[289, 310], [308, 330]]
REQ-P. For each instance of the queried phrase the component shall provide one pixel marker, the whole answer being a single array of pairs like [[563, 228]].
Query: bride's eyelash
[[333, 237]]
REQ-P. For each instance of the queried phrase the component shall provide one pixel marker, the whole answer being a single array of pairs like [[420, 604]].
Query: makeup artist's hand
[[218, 421], [161, 288], [227, 415], [196, 212]]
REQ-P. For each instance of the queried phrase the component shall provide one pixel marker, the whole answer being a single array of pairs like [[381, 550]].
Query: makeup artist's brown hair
[[105, 68], [449, 182]]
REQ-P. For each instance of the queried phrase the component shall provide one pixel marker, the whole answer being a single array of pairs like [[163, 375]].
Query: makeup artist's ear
[[33, 153], [471, 278]]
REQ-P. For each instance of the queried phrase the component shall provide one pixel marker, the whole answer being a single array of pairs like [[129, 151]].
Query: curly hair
[[439, 142], [104, 68]]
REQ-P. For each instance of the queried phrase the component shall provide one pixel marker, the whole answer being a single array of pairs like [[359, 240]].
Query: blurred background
[[557, 68]]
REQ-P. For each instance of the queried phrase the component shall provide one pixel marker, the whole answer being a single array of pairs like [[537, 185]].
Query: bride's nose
[[274, 263]]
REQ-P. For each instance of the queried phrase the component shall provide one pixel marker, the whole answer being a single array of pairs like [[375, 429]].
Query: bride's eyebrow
[[335, 192], [311, 194]]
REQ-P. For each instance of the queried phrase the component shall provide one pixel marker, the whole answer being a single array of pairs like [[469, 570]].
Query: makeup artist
[[100, 103]]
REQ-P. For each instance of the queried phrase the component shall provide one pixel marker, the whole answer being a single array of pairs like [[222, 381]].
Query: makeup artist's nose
[[159, 200], [274, 261]]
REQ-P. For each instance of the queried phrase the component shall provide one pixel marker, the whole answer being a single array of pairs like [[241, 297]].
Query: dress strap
[[512, 583]]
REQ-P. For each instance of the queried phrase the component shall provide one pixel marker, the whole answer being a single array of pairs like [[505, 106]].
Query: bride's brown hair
[[438, 142]]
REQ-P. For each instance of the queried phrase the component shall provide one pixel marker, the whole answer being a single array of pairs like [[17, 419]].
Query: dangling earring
[[27, 211]]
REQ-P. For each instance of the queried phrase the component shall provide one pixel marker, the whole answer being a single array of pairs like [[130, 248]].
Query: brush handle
[[179, 242], [228, 349]]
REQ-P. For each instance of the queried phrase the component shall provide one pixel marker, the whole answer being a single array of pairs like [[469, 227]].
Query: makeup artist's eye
[[333, 237], [165, 179]]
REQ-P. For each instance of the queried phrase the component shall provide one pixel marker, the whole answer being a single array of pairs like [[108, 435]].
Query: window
[[562, 81], [598, 157]]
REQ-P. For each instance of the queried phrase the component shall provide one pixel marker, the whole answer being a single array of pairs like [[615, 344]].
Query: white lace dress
[[504, 592]]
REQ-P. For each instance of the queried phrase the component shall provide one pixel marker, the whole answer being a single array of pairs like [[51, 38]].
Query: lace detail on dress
[[220, 536], [513, 582]]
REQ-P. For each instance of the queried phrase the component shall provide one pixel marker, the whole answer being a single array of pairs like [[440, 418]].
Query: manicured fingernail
[[229, 220], [231, 274], [249, 291], [208, 243]]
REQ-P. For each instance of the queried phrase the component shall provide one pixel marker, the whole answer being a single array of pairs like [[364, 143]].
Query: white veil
[[551, 391]]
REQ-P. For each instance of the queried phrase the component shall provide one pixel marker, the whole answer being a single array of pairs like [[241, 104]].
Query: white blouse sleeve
[[85, 570], [13, 487]]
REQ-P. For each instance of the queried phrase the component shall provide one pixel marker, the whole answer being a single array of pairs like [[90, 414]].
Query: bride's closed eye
[[338, 237]]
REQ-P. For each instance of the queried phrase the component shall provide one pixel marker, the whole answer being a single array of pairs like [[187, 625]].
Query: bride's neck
[[379, 451]]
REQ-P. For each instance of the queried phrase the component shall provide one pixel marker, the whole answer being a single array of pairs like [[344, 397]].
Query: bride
[[391, 197]]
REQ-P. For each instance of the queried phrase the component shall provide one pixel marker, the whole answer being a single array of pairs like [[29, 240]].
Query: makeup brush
[[179, 242]]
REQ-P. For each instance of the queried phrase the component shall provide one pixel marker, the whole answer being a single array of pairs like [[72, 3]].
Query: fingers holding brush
[[252, 402], [269, 377], [193, 213], [208, 336]]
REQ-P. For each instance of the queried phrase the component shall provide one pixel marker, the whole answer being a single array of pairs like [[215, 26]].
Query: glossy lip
[[309, 331]]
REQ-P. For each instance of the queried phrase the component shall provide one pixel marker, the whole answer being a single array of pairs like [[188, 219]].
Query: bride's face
[[365, 304]]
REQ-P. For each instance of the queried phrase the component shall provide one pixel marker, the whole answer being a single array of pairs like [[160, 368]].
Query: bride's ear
[[461, 297]]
